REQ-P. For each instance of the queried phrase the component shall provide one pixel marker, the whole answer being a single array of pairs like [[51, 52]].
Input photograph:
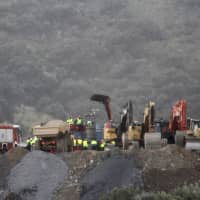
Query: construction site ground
[[89, 174]]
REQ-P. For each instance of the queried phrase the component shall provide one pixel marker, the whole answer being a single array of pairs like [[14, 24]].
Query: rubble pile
[[169, 157], [79, 163], [89, 174], [37, 176], [115, 172], [167, 168], [8, 161], [92, 173]]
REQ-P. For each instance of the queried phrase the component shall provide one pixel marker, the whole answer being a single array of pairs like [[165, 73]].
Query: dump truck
[[10, 136], [54, 136]]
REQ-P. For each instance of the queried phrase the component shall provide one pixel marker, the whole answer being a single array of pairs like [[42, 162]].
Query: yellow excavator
[[192, 139], [113, 132], [144, 133], [152, 139], [128, 131]]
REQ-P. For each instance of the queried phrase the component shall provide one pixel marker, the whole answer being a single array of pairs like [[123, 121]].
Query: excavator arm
[[105, 100], [126, 117], [149, 117], [178, 118]]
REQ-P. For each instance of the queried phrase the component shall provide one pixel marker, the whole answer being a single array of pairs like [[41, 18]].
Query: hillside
[[54, 54]]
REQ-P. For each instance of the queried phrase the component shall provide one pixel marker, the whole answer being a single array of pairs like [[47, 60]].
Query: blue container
[[98, 126], [77, 134], [99, 134]]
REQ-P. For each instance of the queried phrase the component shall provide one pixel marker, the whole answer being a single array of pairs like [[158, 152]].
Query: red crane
[[178, 118]]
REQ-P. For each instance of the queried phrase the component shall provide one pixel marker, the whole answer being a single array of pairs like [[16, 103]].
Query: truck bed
[[50, 129]]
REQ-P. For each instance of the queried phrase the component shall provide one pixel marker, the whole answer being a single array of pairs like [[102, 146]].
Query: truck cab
[[10, 137]]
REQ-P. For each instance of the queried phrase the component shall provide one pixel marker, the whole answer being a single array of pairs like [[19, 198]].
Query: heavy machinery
[[10, 137], [149, 136], [110, 131], [192, 138], [186, 132], [54, 136], [178, 122], [178, 119], [128, 131]]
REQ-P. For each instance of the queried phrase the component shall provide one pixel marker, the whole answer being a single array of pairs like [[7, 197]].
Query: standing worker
[[93, 144], [74, 144], [70, 120], [35, 142], [28, 141], [89, 123], [80, 144], [102, 145], [85, 144], [79, 121]]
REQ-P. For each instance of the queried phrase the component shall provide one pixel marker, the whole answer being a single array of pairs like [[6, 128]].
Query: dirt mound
[[169, 157], [158, 180], [80, 162], [14, 155], [37, 176], [8, 161], [169, 167], [114, 172]]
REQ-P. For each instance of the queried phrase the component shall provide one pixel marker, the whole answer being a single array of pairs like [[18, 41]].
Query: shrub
[[186, 192]]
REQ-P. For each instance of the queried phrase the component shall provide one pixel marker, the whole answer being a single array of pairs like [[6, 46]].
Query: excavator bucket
[[100, 98], [104, 100]]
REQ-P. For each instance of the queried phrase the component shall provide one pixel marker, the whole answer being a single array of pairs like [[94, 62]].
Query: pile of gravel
[[169, 157], [37, 176], [114, 172], [7, 162]]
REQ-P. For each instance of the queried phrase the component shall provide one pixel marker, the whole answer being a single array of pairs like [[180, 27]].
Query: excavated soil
[[168, 168], [115, 172], [158, 180], [37, 176], [8, 161], [88, 174]]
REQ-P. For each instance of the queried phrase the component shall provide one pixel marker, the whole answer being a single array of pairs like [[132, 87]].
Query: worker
[[85, 144], [74, 144], [28, 142], [93, 144], [70, 121], [79, 121], [35, 139], [113, 142], [80, 143], [34, 142], [89, 123], [102, 145]]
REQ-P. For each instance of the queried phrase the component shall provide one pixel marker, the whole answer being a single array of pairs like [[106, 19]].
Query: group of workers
[[78, 121], [78, 143], [84, 144], [32, 141]]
